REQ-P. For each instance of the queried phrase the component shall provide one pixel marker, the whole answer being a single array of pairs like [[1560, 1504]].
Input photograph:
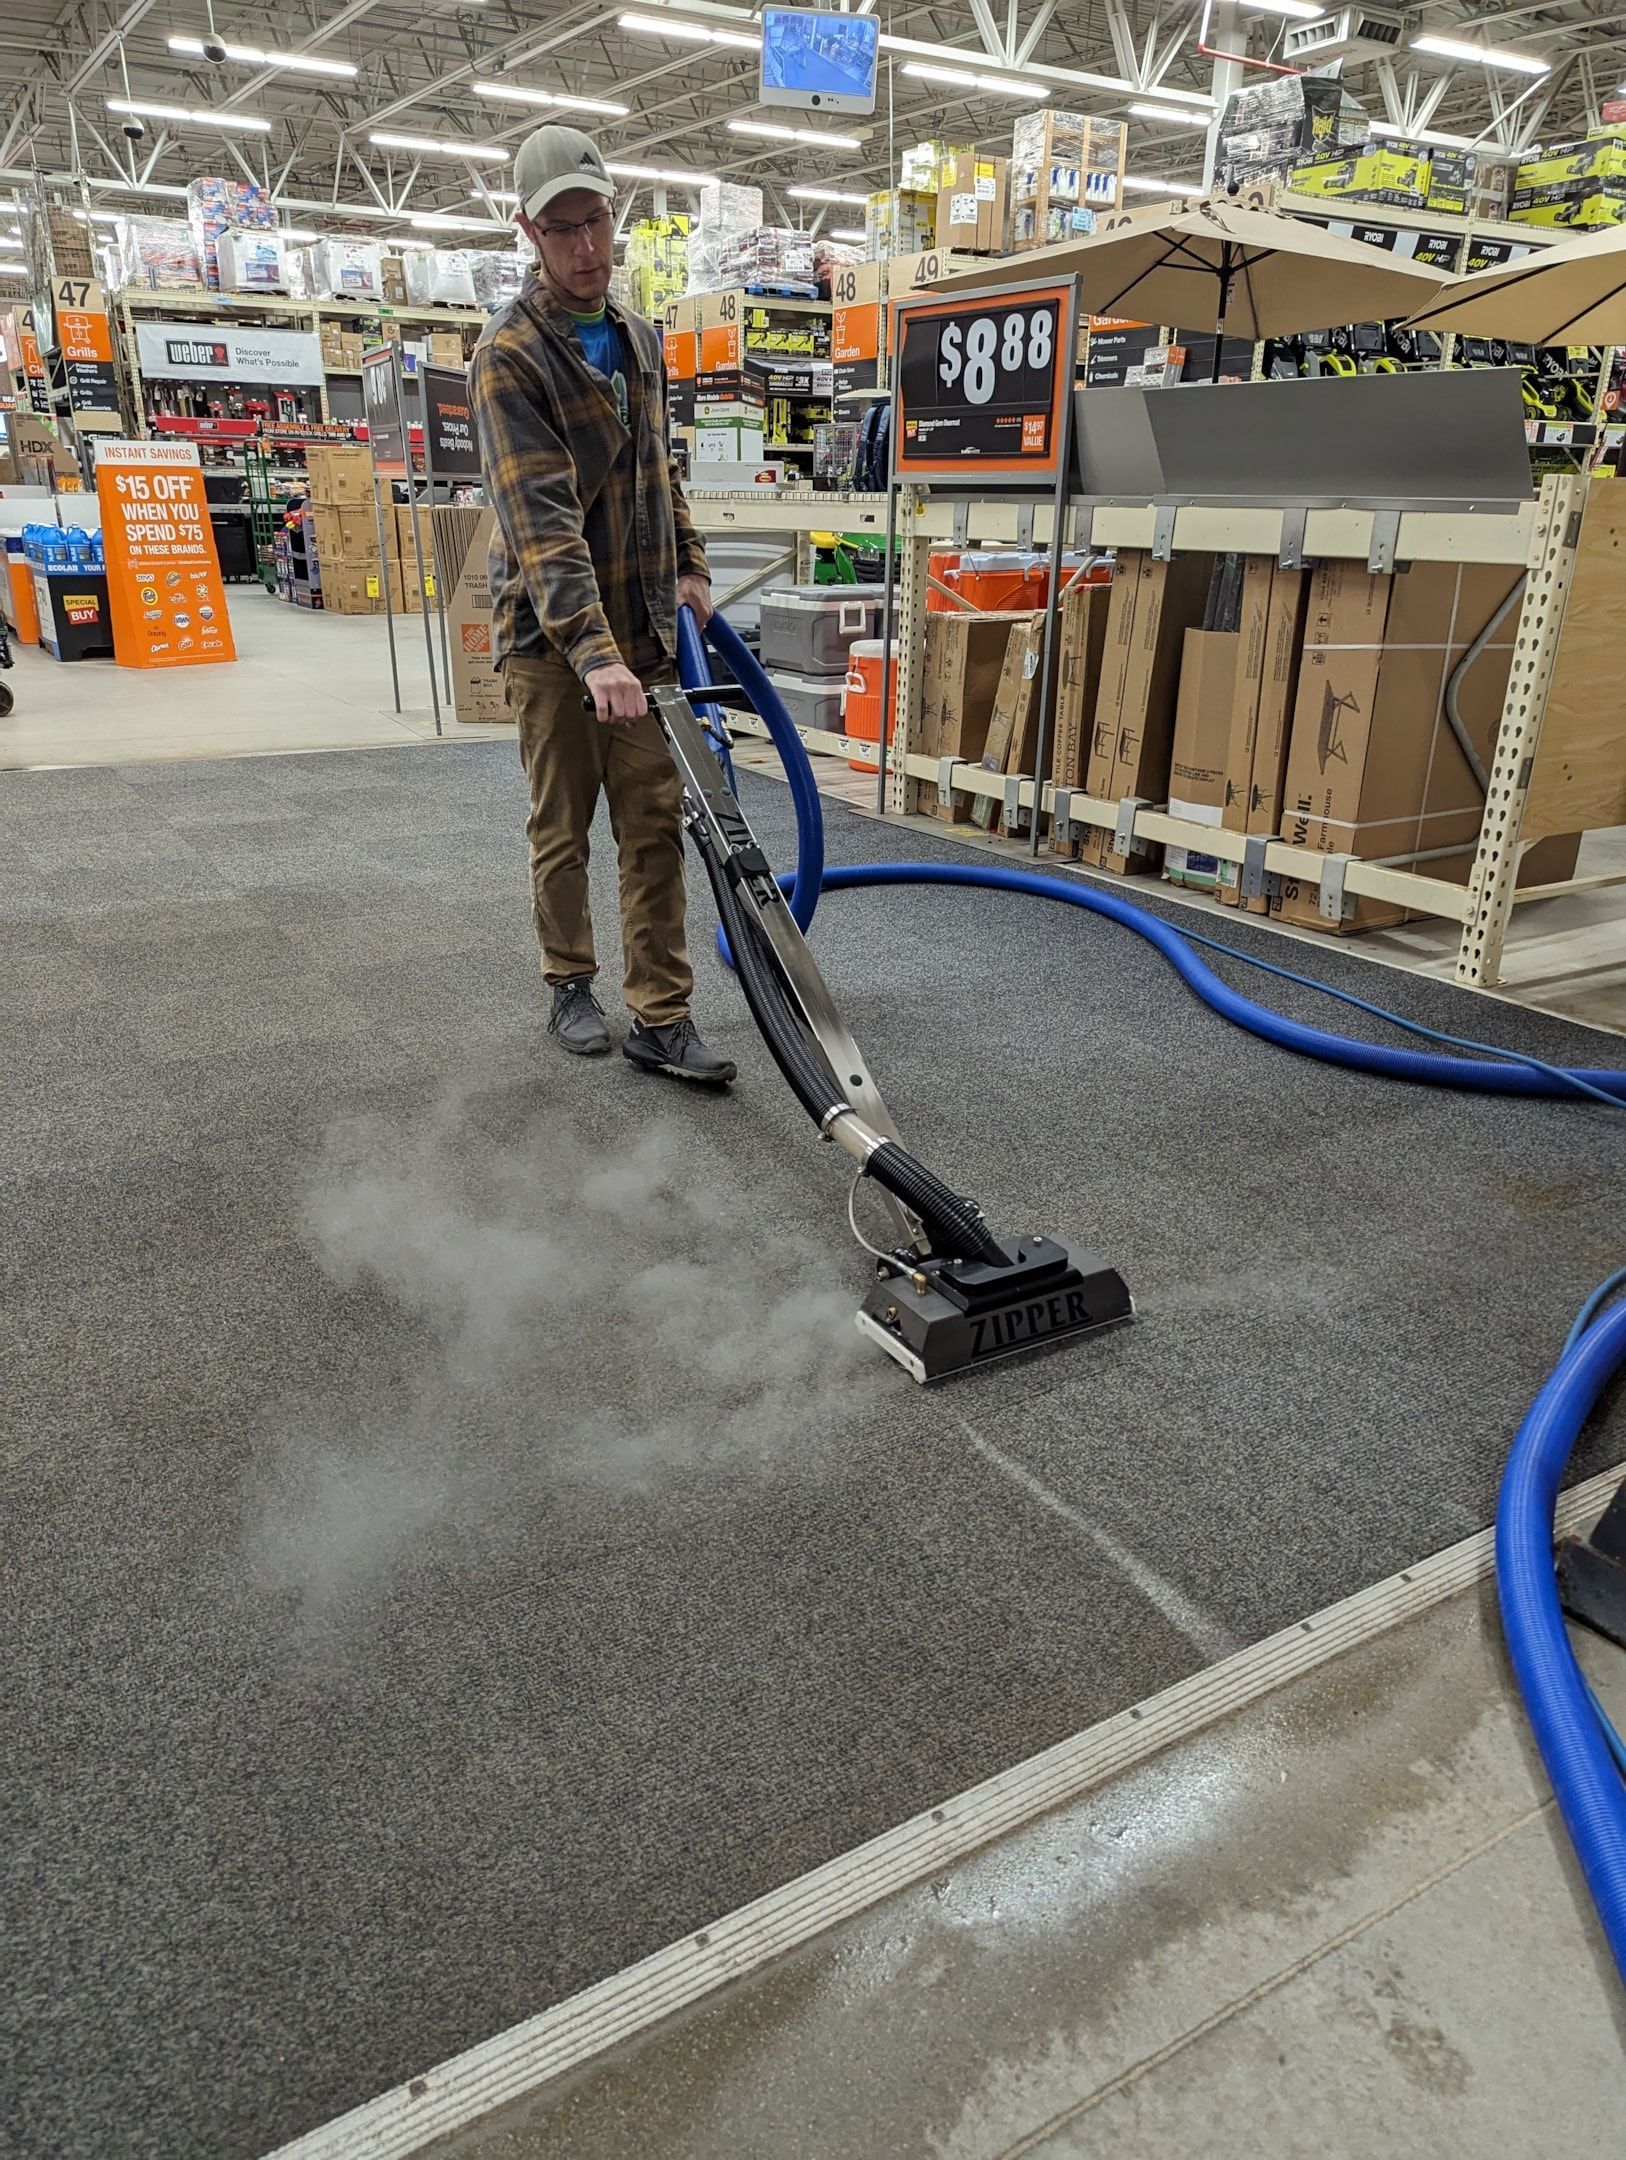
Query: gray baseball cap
[[552, 161]]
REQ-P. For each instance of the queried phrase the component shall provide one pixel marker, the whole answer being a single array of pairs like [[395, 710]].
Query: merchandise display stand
[[391, 442], [1539, 535]]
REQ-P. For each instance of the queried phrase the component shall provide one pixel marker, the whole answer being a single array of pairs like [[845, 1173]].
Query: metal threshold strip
[[514, 2064]]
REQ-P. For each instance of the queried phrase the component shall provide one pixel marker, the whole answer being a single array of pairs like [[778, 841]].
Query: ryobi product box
[[1581, 204], [808, 629], [1602, 158], [1394, 173]]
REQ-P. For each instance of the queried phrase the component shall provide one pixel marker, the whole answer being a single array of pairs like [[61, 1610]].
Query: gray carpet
[[456, 1541]]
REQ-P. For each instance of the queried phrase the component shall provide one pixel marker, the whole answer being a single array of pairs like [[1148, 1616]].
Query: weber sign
[[225, 353]]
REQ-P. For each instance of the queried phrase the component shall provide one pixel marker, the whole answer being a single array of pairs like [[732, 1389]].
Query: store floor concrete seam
[[454, 2095]]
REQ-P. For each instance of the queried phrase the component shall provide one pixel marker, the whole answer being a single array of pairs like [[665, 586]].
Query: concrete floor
[[1345, 1923]]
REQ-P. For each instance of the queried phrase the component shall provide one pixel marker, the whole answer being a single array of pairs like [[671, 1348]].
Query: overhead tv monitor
[[813, 57]]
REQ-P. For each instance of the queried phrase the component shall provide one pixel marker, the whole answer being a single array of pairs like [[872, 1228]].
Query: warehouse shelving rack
[[1540, 536]]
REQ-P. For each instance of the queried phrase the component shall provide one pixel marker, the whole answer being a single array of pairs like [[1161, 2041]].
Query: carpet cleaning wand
[[950, 1294]]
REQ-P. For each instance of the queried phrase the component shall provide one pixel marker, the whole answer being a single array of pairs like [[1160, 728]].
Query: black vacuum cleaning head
[[940, 1317]]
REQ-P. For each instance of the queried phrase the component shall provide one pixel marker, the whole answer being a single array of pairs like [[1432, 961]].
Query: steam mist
[[558, 1319]]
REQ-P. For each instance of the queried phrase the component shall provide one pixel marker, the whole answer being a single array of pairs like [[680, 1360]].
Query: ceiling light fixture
[[431, 146], [446, 221], [770, 131], [985, 85], [1147, 186], [826, 194], [185, 116], [1300, 10], [848, 232], [251, 56], [1491, 56], [512, 94], [493, 194], [660, 172], [693, 33], [11, 269], [1423, 134], [1172, 113]]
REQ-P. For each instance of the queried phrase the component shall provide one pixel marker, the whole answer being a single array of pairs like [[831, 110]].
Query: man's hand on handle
[[616, 692], [695, 591]]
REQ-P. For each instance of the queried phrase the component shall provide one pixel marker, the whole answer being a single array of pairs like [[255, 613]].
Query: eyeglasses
[[595, 226]]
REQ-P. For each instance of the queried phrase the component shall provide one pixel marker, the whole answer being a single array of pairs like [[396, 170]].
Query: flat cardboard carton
[[1373, 769], [963, 659], [1272, 632], [1202, 732], [463, 535], [1085, 612], [1133, 738], [1013, 720]]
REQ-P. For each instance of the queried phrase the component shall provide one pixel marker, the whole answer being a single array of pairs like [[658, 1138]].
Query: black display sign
[[385, 412], [980, 383], [454, 449]]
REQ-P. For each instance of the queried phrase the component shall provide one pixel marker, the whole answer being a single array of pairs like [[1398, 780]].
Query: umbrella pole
[[1224, 305]]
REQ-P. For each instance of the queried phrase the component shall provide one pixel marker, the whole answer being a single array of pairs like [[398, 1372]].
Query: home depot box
[[1373, 768], [1083, 633], [1153, 605], [1272, 633], [463, 535], [339, 472], [972, 204], [963, 659], [1202, 733]]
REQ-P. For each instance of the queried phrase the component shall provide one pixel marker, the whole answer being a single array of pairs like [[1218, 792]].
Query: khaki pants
[[569, 756]]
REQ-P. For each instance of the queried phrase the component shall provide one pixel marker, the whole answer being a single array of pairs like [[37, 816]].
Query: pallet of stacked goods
[[1574, 186], [657, 264], [1065, 167], [339, 529], [215, 206]]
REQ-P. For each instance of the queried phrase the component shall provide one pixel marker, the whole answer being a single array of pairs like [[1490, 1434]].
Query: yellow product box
[[1400, 177], [1602, 205], [1601, 160]]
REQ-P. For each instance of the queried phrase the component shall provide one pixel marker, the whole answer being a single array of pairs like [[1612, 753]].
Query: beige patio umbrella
[[1213, 265], [1573, 293]]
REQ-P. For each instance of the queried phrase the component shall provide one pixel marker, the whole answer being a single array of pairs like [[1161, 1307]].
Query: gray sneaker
[[578, 1018], [678, 1051]]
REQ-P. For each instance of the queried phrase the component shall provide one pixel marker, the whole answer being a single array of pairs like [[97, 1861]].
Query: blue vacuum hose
[[1503, 1072], [1577, 1744]]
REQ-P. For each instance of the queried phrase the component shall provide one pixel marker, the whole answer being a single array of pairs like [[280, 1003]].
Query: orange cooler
[[861, 707]]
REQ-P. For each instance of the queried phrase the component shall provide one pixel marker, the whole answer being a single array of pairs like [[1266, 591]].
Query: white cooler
[[813, 701]]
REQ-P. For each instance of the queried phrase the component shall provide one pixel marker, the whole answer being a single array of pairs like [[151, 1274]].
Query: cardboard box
[[1083, 629], [972, 204], [463, 535], [1132, 739], [339, 472], [1579, 204], [353, 589], [960, 675], [1013, 723], [899, 221], [1373, 768], [398, 530], [394, 277], [407, 595], [1395, 173], [1272, 634], [1202, 733], [445, 349], [344, 533]]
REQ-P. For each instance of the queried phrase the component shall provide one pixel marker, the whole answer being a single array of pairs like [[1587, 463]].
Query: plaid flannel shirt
[[592, 528]]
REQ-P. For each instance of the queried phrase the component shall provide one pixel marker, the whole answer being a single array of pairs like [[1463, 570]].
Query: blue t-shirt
[[600, 340]]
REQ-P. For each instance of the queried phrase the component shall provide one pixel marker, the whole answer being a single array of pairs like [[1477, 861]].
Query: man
[[595, 550]]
